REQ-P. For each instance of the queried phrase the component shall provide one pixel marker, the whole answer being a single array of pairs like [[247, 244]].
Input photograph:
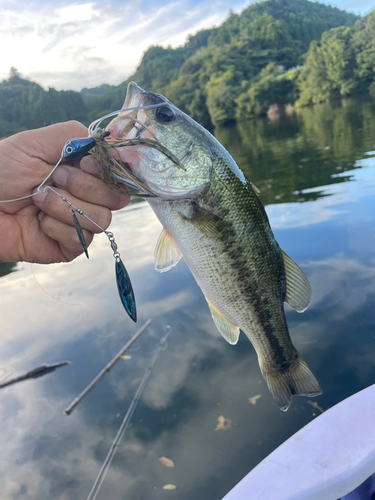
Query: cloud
[[95, 69], [117, 35], [361, 6], [20, 30]]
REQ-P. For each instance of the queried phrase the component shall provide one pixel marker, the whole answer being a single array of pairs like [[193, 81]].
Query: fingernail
[[40, 216], [60, 176], [40, 197]]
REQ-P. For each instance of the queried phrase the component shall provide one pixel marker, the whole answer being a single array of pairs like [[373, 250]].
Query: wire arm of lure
[[118, 143], [98, 134], [74, 148], [39, 188], [93, 128], [77, 210]]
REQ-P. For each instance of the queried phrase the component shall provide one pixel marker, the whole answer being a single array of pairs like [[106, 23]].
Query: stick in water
[[37, 372], [106, 369], [120, 433]]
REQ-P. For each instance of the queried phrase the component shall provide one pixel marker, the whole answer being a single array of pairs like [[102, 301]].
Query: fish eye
[[165, 114], [69, 149]]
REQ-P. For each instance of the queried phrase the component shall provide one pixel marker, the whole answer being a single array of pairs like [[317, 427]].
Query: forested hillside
[[232, 72], [206, 76], [25, 105]]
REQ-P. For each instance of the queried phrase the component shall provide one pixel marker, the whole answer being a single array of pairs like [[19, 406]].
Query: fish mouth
[[136, 96], [131, 124]]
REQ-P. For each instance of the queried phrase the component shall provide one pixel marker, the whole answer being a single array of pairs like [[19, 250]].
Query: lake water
[[316, 173]]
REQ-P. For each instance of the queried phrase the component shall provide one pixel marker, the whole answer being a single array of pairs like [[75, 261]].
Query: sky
[[73, 44]]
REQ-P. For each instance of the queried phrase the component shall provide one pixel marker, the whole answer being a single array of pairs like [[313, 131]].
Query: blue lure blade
[[125, 290], [80, 234]]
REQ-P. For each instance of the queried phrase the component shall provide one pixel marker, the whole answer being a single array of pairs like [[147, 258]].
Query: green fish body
[[213, 217]]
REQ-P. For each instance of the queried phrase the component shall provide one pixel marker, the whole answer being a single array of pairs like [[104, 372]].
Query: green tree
[[339, 59], [340, 64], [220, 98], [329, 68], [364, 46], [272, 88]]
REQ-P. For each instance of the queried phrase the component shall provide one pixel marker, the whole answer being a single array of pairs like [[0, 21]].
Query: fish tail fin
[[296, 381]]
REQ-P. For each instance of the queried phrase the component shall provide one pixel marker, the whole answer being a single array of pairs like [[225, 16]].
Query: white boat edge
[[325, 460]]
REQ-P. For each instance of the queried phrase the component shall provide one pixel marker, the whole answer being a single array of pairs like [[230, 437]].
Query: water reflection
[[303, 150], [72, 311]]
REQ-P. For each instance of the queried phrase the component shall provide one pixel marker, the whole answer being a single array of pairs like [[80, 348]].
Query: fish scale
[[213, 217], [235, 267]]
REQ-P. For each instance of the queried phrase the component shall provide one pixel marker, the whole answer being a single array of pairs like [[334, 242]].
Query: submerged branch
[[37, 372], [120, 433], [106, 369]]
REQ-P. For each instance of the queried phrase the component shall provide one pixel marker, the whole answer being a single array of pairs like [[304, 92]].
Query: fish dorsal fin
[[298, 289], [257, 191], [227, 329], [167, 253]]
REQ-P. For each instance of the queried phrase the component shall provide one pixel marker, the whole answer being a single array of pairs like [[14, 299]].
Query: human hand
[[40, 228]]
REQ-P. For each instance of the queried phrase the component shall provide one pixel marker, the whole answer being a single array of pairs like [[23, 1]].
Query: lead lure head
[[76, 148]]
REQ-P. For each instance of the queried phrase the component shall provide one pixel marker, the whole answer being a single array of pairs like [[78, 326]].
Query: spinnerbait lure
[[73, 149], [112, 173]]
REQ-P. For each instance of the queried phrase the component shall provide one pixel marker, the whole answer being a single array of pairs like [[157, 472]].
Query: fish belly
[[210, 267]]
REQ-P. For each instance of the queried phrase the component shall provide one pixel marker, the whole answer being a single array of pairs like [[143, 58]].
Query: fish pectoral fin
[[298, 289], [167, 253], [206, 221], [227, 329]]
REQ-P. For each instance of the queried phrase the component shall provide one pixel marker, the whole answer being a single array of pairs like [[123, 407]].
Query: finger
[[56, 208], [65, 235], [88, 188], [88, 165], [47, 143]]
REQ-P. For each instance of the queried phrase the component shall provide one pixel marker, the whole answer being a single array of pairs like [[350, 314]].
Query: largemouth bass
[[213, 217]]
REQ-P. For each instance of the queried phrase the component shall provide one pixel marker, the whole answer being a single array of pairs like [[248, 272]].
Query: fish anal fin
[[296, 381], [298, 289], [167, 253], [227, 329]]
